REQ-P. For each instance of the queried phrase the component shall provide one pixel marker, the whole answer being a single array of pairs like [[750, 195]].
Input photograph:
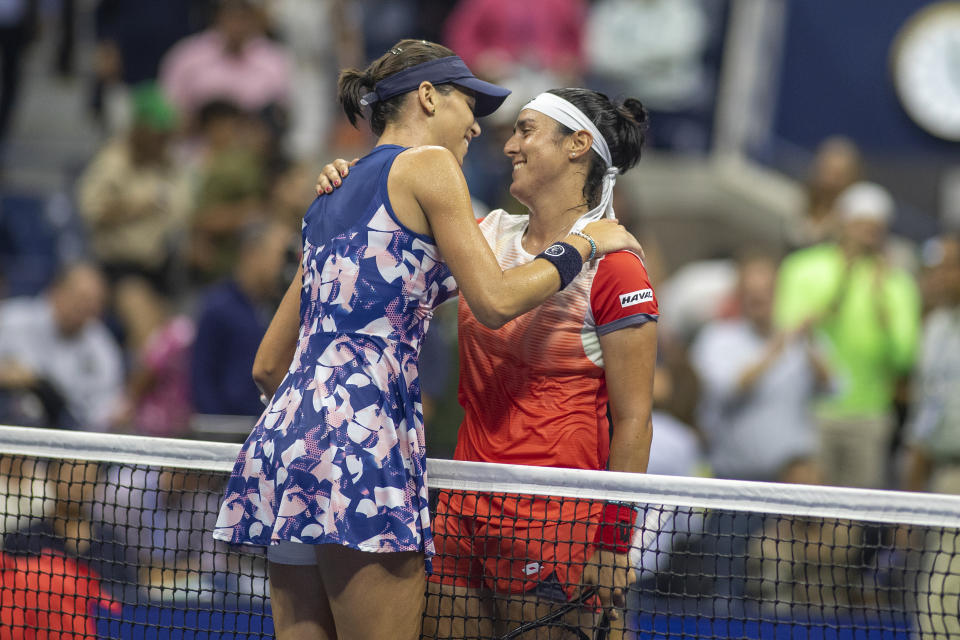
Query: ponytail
[[351, 87], [631, 125]]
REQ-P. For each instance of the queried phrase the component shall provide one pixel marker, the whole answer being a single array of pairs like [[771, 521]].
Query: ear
[[427, 97], [577, 144]]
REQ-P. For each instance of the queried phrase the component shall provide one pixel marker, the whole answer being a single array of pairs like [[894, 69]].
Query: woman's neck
[[552, 216], [405, 136]]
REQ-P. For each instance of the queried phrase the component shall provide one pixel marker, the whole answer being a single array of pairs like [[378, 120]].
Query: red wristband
[[615, 532]]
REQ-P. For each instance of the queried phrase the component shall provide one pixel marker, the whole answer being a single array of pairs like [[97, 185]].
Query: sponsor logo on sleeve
[[636, 297]]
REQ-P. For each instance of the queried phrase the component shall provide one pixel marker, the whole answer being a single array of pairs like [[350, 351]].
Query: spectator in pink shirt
[[231, 60], [158, 345], [493, 36]]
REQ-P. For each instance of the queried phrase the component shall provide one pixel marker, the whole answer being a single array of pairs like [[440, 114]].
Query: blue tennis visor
[[449, 70]]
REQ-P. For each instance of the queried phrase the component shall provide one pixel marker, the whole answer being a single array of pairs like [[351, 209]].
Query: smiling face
[[456, 124], [536, 153]]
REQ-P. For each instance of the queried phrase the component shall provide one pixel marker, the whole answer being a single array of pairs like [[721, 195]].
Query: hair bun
[[634, 111]]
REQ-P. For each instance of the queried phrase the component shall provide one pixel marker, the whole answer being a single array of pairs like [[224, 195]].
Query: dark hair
[[623, 125], [216, 109], [353, 83]]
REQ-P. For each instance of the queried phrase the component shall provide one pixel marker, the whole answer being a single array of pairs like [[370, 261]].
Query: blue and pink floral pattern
[[338, 455]]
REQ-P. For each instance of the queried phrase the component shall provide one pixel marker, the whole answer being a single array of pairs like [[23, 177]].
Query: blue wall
[[836, 77]]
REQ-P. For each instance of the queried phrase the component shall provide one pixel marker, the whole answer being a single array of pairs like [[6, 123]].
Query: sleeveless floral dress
[[338, 454]]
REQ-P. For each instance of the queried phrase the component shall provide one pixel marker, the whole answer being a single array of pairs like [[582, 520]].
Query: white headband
[[571, 117]]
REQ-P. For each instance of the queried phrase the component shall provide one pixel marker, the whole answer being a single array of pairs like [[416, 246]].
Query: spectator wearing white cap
[[866, 311]]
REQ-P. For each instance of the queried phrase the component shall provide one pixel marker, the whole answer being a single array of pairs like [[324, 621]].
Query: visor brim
[[489, 96]]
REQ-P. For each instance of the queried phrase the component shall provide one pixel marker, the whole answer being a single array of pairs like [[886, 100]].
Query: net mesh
[[109, 537]]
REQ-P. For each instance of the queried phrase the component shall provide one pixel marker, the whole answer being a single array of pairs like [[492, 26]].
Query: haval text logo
[[636, 297]]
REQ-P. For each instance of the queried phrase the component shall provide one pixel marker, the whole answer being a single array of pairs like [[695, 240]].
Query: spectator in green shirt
[[867, 313]]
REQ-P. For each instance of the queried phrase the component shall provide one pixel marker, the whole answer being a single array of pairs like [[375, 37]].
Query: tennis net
[[107, 536]]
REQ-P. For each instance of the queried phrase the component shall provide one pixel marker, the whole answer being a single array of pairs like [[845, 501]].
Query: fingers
[[611, 236], [616, 598], [331, 175], [608, 603], [630, 243], [606, 234], [328, 179], [324, 184], [343, 167], [613, 602], [619, 599], [611, 581], [623, 576], [612, 574]]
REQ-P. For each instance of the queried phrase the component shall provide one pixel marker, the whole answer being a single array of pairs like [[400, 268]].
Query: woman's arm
[[276, 350], [436, 183], [629, 355], [748, 377]]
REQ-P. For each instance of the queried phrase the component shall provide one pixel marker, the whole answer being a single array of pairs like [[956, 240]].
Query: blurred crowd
[[828, 359], [831, 356], [805, 360], [831, 360]]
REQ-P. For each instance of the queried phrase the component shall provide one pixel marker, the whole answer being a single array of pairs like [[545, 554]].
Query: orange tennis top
[[534, 391]]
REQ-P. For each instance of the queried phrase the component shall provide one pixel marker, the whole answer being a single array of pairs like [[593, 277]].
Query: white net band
[[730, 495]]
